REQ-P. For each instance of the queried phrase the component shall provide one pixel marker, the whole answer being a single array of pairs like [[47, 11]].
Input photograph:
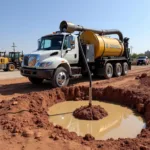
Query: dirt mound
[[90, 113], [143, 75], [26, 114], [88, 137]]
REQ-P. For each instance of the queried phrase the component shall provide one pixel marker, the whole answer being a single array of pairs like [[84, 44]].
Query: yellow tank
[[103, 46]]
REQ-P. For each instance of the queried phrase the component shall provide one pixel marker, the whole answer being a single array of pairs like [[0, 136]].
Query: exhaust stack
[[70, 28]]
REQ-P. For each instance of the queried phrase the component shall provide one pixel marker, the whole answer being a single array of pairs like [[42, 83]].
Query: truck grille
[[30, 60]]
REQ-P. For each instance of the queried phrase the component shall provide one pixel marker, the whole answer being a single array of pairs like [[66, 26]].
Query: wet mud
[[26, 114], [119, 122], [94, 112]]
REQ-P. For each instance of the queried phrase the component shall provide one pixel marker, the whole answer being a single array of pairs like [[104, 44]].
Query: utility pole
[[14, 46]]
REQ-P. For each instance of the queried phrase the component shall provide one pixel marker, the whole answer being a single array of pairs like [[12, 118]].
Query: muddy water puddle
[[121, 122]]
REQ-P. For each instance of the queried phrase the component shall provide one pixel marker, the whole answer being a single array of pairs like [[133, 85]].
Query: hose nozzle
[[69, 27]]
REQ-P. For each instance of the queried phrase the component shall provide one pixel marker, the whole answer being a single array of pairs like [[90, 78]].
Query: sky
[[25, 21]]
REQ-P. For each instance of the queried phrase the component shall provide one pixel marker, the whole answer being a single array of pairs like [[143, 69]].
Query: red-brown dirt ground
[[24, 121]]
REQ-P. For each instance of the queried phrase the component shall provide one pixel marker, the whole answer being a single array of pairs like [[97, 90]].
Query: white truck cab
[[52, 60]]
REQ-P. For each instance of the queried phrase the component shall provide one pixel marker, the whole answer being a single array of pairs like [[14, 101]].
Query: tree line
[[135, 55]]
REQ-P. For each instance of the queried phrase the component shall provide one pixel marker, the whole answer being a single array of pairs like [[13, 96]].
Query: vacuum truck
[[58, 57]]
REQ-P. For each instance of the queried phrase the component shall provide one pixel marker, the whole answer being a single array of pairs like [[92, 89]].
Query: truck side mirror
[[39, 41], [72, 43], [72, 46], [65, 47]]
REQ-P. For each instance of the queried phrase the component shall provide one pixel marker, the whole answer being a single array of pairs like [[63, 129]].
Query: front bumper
[[38, 73], [141, 62]]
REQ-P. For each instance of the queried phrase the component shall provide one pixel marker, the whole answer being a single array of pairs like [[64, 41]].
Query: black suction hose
[[89, 72]]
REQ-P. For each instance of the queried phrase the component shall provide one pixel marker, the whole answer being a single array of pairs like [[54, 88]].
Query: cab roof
[[56, 33]]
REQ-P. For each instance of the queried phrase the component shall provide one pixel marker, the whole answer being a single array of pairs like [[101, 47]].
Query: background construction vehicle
[[11, 62]]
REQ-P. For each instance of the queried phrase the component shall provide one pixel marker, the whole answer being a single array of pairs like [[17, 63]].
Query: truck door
[[70, 49]]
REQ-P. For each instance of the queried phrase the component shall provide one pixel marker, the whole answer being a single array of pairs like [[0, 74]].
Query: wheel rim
[[61, 78], [11, 67], [109, 72], [119, 70]]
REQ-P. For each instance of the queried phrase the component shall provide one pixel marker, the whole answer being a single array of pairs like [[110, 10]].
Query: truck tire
[[108, 72], [124, 68], [11, 67], [60, 78], [117, 70], [35, 80]]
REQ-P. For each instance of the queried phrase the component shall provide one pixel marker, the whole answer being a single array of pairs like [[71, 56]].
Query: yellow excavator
[[11, 62]]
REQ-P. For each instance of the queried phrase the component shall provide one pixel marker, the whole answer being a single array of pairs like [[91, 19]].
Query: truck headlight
[[45, 64]]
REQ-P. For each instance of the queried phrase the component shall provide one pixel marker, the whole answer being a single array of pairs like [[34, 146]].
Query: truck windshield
[[53, 42], [13, 55]]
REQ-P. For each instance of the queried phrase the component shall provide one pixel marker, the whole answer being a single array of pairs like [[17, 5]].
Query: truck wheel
[[108, 72], [124, 68], [117, 70], [11, 67], [60, 78], [35, 80]]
